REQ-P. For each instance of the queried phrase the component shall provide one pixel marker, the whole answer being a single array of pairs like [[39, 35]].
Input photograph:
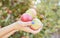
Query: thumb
[[25, 23]]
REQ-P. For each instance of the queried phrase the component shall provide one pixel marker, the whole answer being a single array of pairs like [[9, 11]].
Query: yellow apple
[[36, 24]]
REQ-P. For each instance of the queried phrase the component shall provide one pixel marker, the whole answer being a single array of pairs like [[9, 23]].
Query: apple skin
[[35, 24], [32, 12], [34, 27], [25, 18]]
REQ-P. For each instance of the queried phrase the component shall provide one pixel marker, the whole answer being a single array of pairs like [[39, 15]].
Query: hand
[[24, 27], [27, 29], [19, 24]]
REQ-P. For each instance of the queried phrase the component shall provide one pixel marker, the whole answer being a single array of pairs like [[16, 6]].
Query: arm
[[8, 34], [7, 29], [19, 25], [15, 26]]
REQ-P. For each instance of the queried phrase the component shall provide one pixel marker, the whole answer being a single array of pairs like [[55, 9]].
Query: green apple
[[36, 24], [32, 12]]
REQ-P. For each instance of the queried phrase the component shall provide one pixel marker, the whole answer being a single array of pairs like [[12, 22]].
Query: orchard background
[[48, 12]]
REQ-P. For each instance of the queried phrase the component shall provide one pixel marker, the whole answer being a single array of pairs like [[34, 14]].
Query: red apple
[[25, 17]]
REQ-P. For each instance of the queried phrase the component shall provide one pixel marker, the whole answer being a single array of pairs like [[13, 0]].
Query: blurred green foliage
[[48, 12]]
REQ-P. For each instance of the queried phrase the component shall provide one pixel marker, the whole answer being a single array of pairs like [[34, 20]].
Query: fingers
[[9, 34], [27, 29]]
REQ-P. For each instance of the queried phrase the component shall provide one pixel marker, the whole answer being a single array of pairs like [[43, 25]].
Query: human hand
[[29, 30], [24, 26]]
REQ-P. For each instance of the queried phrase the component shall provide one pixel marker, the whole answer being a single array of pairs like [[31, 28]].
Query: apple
[[35, 24], [25, 17], [32, 12]]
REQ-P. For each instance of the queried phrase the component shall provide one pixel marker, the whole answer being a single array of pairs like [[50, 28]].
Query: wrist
[[15, 25]]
